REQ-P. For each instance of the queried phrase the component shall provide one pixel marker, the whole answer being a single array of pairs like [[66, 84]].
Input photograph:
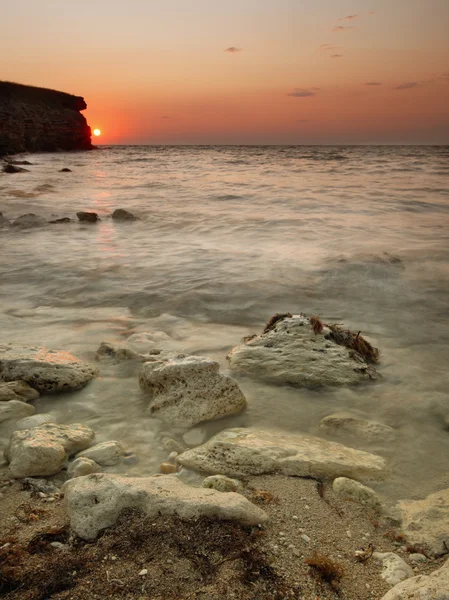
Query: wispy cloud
[[302, 121], [373, 83], [341, 28], [336, 55], [165, 117], [348, 18], [372, 12], [407, 86], [302, 93], [233, 49]]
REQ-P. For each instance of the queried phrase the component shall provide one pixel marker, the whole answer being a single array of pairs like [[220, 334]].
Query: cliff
[[40, 120]]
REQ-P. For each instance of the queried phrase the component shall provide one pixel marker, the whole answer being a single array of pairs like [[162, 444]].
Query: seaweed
[[326, 570], [317, 324], [345, 337], [275, 319]]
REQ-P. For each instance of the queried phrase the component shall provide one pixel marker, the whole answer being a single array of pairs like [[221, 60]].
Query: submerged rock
[[423, 587], [34, 421], [15, 409], [346, 423], [111, 353], [43, 369], [10, 168], [120, 214], [394, 568], [29, 220], [89, 217], [240, 452], [4, 222], [44, 450], [95, 502], [295, 350], [83, 466], [348, 489], [426, 522], [17, 390], [106, 454], [61, 220], [189, 389]]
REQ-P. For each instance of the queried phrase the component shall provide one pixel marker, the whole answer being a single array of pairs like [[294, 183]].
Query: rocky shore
[[41, 120], [248, 514]]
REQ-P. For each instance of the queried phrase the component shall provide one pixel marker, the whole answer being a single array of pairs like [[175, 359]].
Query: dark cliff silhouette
[[36, 119]]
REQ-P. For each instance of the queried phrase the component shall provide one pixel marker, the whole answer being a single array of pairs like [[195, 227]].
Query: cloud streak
[[407, 86], [336, 55], [301, 93], [341, 28], [373, 83], [233, 49], [348, 18]]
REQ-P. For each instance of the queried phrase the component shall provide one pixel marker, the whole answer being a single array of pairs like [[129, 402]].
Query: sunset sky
[[240, 71]]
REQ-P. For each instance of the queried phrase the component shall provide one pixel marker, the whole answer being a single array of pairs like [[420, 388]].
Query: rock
[[348, 489], [120, 214], [189, 390], [29, 220], [172, 445], [394, 568], [89, 217], [221, 483], [44, 450], [83, 466], [105, 454], [423, 587], [40, 486], [4, 222], [61, 220], [426, 522], [43, 369], [167, 468], [95, 502], [416, 557], [346, 423], [291, 353], [20, 162], [240, 452], [9, 168], [14, 409], [34, 421], [194, 437], [65, 170], [17, 390], [115, 354]]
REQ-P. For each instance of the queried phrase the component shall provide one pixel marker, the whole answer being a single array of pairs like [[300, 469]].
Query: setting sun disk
[[97, 132]]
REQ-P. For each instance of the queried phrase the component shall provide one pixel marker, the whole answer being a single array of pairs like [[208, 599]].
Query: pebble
[[143, 572], [295, 517], [172, 456], [416, 557], [305, 537], [306, 506], [167, 468], [349, 534], [42, 495]]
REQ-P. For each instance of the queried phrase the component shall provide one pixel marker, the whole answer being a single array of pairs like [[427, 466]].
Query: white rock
[[221, 483], [95, 502], [143, 572], [416, 557], [34, 421], [189, 390], [82, 466], [105, 454], [43, 369], [348, 489], [14, 409], [240, 452], [427, 521], [291, 353], [44, 450], [423, 587], [394, 568], [17, 390], [346, 423]]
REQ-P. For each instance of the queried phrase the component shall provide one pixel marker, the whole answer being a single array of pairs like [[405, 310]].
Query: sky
[[240, 71]]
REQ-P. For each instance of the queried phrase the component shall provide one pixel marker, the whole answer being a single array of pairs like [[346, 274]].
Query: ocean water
[[227, 237]]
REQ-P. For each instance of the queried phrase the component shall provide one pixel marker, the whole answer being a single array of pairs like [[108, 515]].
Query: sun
[[97, 132]]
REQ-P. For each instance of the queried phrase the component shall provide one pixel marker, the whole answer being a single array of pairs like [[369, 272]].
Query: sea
[[226, 237]]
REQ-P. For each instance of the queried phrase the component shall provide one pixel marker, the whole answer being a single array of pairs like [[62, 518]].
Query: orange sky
[[296, 70]]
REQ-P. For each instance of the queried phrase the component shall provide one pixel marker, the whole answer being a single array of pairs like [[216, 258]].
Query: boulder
[[88, 217], [239, 452], [17, 390], [290, 352], [44, 450], [426, 522], [14, 409], [61, 220], [83, 466], [29, 220], [34, 421], [120, 214], [348, 489], [221, 483], [394, 568], [43, 369], [114, 354], [9, 168], [348, 424], [189, 390], [105, 454], [423, 587], [65, 170], [95, 502]]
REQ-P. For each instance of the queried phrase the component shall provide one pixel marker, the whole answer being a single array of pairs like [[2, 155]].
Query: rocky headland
[[36, 119]]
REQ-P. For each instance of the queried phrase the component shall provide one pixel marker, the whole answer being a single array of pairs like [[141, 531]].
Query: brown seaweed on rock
[[317, 324], [344, 337], [275, 319]]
